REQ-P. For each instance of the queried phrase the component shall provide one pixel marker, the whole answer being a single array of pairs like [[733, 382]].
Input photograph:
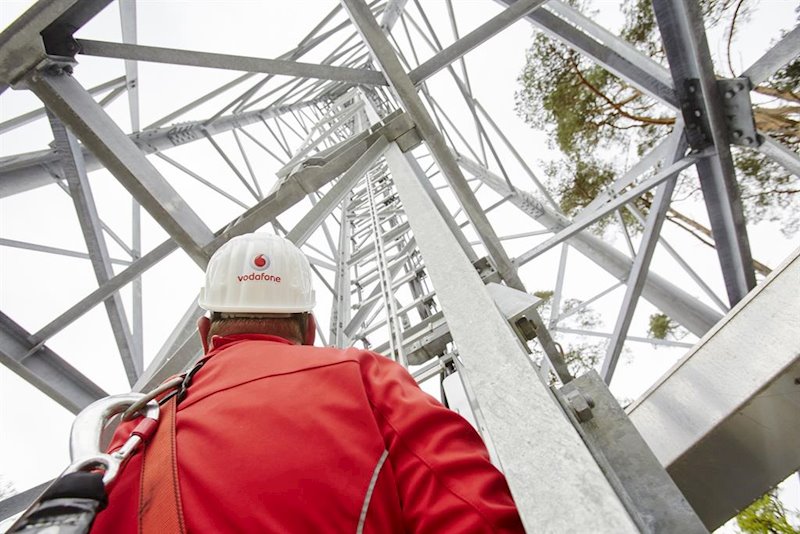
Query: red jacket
[[274, 437]]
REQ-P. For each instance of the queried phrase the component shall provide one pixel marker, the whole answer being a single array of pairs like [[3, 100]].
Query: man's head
[[261, 284]]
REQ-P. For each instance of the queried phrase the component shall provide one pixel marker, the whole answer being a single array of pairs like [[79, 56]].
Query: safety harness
[[71, 503]]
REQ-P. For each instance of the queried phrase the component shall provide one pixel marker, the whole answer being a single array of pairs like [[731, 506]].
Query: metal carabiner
[[87, 429]]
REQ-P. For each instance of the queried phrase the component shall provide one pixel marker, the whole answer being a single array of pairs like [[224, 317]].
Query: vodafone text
[[259, 277]]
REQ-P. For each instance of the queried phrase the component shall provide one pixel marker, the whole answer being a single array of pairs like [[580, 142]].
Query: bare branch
[[730, 36], [701, 232]]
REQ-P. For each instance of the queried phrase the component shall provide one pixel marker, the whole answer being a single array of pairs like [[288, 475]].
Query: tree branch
[[771, 91], [730, 36], [700, 232], [615, 105], [776, 120], [692, 226], [773, 192]]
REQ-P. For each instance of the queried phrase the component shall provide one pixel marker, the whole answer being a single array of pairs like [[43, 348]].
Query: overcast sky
[[33, 429]]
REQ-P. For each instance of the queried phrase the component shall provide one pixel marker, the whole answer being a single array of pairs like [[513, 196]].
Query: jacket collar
[[217, 342]]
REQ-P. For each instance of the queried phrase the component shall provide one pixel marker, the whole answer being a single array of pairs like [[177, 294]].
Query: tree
[[594, 118], [766, 515]]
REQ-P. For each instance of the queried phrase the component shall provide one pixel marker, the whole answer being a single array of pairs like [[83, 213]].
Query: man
[[276, 436]]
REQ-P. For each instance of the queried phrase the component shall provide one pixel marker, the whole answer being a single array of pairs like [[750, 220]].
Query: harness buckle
[[87, 429]]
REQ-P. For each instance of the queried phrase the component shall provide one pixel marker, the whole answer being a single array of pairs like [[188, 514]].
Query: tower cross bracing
[[370, 146]]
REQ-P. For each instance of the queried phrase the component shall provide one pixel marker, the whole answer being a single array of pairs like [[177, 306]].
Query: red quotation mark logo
[[260, 262]]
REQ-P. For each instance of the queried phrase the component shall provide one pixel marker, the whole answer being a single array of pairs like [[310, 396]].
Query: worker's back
[[274, 437]]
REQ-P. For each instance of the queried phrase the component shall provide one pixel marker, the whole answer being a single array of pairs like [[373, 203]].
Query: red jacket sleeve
[[446, 482]]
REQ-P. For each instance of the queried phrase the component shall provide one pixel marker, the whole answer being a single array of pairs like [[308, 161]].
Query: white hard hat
[[258, 273]]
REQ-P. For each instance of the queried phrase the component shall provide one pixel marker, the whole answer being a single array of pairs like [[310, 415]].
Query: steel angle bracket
[[736, 106], [49, 65], [698, 131], [487, 270], [642, 484], [738, 111], [518, 307]]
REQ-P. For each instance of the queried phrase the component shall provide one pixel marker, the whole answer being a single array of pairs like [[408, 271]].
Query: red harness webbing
[[160, 509]]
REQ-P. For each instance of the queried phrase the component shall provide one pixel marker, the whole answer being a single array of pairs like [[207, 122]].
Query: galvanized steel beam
[[778, 152], [482, 33], [625, 49], [311, 221], [683, 34], [21, 46], [25, 118], [340, 305], [723, 420], [784, 51], [629, 68], [83, 200], [407, 94], [672, 300], [516, 407], [225, 61], [394, 9], [44, 369], [584, 220], [27, 171], [54, 250], [75, 107], [641, 265], [128, 22]]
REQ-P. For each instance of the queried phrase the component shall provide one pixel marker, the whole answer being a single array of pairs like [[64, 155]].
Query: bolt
[[738, 134], [740, 86], [692, 89], [58, 70], [729, 94], [748, 140], [698, 113]]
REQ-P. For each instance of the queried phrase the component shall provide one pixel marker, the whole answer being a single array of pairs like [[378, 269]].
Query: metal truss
[[350, 146]]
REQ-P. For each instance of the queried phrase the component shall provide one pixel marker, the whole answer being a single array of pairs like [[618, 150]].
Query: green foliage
[[788, 79], [582, 357], [663, 327], [768, 191], [660, 326], [589, 178], [766, 515], [640, 27], [595, 119]]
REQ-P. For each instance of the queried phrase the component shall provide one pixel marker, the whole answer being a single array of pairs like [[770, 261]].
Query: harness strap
[[160, 507]]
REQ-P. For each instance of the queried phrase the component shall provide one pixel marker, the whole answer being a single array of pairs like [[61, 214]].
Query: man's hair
[[291, 327]]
